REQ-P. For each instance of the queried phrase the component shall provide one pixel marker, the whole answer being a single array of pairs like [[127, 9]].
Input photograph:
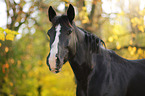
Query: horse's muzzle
[[53, 64], [55, 70]]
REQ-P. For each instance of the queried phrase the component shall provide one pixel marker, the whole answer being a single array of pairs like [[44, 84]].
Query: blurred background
[[24, 44]]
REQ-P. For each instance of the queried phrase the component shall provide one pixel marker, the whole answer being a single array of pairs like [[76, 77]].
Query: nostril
[[56, 55], [57, 62]]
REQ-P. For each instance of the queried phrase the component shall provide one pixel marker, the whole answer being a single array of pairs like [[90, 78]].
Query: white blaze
[[54, 49]]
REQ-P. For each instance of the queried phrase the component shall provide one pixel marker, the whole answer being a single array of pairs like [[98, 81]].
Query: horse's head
[[60, 34]]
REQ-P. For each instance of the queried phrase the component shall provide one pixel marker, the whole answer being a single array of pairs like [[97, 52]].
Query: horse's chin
[[65, 60], [58, 68]]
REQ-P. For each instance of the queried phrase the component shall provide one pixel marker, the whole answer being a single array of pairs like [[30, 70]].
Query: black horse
[[98, 71]]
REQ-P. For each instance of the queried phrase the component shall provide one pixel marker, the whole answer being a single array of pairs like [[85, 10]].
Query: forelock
[[63, 20]]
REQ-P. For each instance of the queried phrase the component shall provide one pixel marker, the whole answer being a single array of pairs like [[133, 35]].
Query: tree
[[23, 69]]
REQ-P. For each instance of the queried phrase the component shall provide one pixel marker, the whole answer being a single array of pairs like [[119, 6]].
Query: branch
[[92, 11], [8, 5], [126, 47]]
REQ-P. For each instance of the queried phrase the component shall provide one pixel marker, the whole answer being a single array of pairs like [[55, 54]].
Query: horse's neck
[[82, 53], [85, 56], [80, 65], [81, 61]]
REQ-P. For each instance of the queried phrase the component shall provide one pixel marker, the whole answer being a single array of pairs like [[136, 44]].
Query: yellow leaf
[[134, 49], [140, 51], [132, 52], [130, 42], [110, 39], [1, 29], [133, 24], [132, 20], [84, 21], [136, 21], [117, 29], [81, 14], [7, 31], [116, 37], [11, 84], [7, 66], [12, 60], [14, 32], [30, 74], [10, 37], [141, 12], [0, 44], [133, 35], [141, 28], [66, 0], [121, 13], [11, 95], [129, 48], [118, 46], [18, 63], [6, 49], [86, 17], [24, 76], [84, 8], [2, 36]]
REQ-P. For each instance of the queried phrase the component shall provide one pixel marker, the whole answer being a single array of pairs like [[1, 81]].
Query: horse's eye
[[69, 32]]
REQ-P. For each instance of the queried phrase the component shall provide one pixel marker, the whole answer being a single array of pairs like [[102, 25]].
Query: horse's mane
[[63, 19], [93, 39]]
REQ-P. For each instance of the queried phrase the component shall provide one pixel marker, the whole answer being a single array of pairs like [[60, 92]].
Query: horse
[[98, 71]]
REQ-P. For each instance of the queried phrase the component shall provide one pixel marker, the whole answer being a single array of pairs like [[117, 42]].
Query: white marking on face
[[54, 49]]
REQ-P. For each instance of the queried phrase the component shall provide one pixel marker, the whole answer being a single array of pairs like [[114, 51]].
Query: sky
[[3, 15]]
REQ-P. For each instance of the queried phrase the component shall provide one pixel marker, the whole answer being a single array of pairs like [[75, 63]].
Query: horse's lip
[[55, 70]]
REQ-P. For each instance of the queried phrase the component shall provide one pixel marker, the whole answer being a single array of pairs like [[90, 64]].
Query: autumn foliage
[[24, 44]]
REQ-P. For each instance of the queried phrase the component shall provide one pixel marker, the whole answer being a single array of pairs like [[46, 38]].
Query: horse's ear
[[70, 13], [51, 13]]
